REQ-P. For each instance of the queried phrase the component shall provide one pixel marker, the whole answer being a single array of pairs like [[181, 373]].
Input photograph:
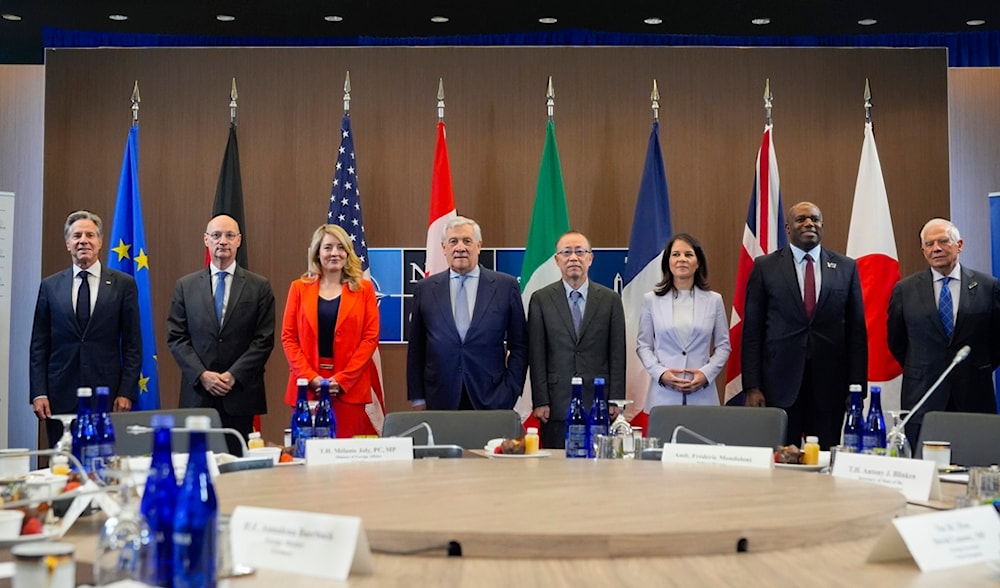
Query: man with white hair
[[934, 313]]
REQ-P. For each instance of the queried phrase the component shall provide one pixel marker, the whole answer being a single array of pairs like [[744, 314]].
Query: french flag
[[763, 233]]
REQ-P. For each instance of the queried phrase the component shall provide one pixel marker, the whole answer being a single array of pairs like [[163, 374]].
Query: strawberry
[[498, 450], [32, 526]]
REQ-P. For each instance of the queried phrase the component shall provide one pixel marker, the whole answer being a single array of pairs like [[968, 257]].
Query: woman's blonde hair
[[351, 274]]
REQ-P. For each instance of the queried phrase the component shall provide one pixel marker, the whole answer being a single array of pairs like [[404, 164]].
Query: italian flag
[[549, 220]]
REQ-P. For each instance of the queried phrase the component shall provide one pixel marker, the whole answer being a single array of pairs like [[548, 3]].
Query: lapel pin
[[973, 285], [831, 264], [108, 282]]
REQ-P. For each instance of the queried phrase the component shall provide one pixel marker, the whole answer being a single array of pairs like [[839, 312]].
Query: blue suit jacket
[[108, 353], [438, 363]]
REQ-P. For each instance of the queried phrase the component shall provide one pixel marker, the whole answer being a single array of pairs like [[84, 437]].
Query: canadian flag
[[872, 243], [442, 205]]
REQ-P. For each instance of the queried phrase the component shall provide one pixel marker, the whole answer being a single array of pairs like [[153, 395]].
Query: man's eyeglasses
[[218, 235], [579, 252]]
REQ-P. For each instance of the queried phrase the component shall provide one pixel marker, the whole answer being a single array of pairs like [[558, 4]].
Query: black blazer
[[556, 354], [778, 337], [108, 353], [240, 347], [918, 341]]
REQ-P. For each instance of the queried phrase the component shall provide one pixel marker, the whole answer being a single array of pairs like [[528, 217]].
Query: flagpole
[[135, 104], [233, 96]]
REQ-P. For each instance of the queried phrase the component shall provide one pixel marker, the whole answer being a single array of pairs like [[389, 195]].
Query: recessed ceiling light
[[8, 16], [653, 20], [225, 17], [548, 20], [333, 18], [439, 19], [975, 22], [117, 17], [867, 22], [761, 21]]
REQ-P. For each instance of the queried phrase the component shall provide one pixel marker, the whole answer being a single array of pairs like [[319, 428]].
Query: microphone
[[415, 428], [960, 356], [702, 438], [144, 430]]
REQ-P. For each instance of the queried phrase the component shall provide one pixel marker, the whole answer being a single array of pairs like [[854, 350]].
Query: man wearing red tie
[[804, 334]]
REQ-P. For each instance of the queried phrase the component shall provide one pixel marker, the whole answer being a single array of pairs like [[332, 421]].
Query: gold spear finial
[[654, 97], [233, 96], [550, 95]]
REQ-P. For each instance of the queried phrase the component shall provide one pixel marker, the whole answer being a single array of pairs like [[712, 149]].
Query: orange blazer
[[354, 341]]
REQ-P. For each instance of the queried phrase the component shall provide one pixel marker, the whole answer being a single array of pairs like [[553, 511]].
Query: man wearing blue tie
[[86, 330], [934, 313], [221, 331], [461, 317]]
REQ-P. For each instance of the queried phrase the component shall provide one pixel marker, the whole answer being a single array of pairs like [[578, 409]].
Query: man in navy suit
[[456, 357], [221, 331], [924, 337], [86, 330], [804, 335]]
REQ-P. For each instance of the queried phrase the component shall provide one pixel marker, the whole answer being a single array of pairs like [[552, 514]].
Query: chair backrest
[[974, 437], [732, 425], [469, 429], [142, 443]]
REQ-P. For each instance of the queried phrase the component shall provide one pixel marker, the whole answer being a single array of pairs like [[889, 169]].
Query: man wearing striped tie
[[933, 314]]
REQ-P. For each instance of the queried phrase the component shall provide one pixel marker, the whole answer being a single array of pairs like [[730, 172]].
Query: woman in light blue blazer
[[683, 334]]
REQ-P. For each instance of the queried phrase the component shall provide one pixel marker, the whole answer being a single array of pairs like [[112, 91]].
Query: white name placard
[[917, 479], [724, 455], [306, 543], [942, 540], [327, 451]]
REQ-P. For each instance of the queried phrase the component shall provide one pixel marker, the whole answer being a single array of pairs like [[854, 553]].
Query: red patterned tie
[[809, 287]]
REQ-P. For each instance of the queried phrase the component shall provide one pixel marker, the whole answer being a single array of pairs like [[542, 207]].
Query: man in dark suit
[[456, 357], [804, 335], [86, 330], [221, 331], [575, 328], [934, 313]]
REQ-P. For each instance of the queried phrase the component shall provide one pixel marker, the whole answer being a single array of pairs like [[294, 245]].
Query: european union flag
[[128, 253]]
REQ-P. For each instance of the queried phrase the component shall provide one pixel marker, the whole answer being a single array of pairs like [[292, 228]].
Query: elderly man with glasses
[[575, 328]]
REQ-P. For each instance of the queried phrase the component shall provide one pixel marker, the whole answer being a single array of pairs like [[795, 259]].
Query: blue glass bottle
[[104, 428], [85, 436], [302, 423], [196, 517], [854, 424], [577, 423], [323, 425], [599, 419], [873, 438], [159, 501]]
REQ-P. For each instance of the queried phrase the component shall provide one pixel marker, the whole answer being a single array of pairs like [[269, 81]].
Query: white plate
[[295, 461], [27, 538], [542, 453], [824, 461]]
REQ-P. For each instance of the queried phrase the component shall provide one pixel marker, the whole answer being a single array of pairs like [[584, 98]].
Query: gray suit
[[918, 341], [241, 346], [556, 354]]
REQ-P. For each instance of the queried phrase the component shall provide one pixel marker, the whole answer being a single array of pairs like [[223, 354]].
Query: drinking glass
[[621, 428], [896, 443], [126, 546]]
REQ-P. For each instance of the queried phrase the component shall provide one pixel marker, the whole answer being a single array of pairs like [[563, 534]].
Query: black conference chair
[[974, 437], [142, 443], [731, 425], [469, 429]]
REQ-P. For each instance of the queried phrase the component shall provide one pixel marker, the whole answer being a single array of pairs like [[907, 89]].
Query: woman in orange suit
[[330, 330]]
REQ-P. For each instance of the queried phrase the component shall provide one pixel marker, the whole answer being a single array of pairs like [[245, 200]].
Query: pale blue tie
[[462, 318], [574, 309], [945, 307], [220, 294]]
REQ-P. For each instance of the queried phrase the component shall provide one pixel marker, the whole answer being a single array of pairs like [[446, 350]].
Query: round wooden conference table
[[559, 522]]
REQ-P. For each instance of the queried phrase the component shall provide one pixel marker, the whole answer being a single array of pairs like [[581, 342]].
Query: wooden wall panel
[[289, 114]]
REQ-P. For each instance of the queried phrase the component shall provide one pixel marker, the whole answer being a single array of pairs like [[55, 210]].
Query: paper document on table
[[941, 540], [306, 543]]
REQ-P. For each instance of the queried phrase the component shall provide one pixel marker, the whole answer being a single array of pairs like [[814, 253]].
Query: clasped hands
[[334, 386], [683, 380], [217, 384]]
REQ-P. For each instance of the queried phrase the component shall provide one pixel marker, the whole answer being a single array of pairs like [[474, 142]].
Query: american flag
[[763, 233], [345, 210]]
